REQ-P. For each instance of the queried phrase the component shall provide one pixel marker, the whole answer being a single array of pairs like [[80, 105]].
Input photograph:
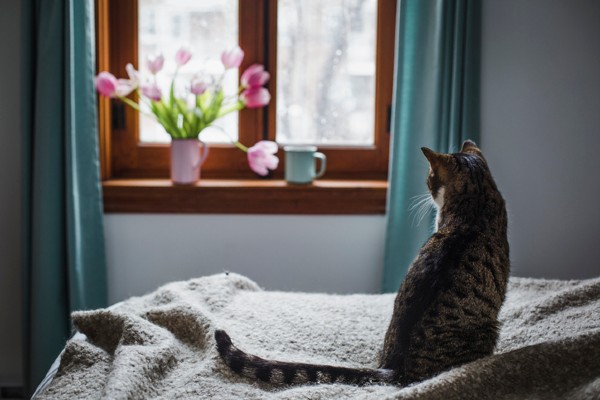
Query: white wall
[[541, 130], [10, 195], [342, 254]]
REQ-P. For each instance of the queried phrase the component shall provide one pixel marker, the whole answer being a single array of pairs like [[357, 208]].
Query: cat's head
[[451, 174]]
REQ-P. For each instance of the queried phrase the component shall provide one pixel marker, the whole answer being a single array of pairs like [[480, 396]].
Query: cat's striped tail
[[290, 373]]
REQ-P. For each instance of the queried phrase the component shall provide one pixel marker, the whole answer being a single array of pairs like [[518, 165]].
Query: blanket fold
[[161, 345]]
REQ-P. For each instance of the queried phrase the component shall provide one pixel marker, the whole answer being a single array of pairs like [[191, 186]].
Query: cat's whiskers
[[420, 207], [417, 200]]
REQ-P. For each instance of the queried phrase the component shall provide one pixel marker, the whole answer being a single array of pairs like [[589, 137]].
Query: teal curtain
[[436, 104], [63, 254]]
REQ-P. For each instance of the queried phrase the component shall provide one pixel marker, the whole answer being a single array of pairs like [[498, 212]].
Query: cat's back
[[453, 297]]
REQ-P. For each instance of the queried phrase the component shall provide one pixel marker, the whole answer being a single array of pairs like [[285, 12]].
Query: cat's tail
[[291, 373]]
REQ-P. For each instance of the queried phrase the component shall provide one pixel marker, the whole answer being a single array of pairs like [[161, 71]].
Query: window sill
[[213, 196]]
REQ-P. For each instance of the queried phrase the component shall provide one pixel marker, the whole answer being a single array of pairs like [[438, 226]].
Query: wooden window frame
[[124, 158]]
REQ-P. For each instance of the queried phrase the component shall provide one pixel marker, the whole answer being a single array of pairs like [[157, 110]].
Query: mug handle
[[203, 152], [323, 159]]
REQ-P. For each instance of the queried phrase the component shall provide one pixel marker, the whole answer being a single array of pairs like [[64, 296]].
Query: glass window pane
[[206, 27], [326, 71]]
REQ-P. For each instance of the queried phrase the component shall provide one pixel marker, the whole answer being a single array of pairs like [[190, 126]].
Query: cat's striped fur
[[280, 372], [446, 311]]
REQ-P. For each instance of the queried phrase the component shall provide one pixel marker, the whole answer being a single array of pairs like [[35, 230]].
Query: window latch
[[118, 115]]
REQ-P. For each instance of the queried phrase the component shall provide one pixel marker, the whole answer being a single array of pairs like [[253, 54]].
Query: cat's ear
[[469, 146], [429, 154], [435, 159]]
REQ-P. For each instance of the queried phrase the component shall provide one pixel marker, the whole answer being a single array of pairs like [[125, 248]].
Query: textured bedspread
[[161, 346]]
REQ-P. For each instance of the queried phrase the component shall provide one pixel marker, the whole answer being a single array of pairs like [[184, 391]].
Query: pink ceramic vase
[[187, 156]]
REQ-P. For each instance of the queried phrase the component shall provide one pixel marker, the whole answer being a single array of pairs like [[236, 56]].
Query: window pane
[[326, 71], [205, 27]]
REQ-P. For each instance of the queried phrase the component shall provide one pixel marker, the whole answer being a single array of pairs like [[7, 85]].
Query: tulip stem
[[236, 143], [238, 105], [130, 103], [240, 146]]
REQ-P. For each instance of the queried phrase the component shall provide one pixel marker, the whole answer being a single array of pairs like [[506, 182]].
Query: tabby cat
[[446, 311]]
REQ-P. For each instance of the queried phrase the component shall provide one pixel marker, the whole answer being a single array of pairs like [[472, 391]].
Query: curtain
[[63, 243], [436, 105]]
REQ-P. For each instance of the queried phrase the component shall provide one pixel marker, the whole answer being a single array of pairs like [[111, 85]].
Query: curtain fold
[[436, 104], [63, 245]]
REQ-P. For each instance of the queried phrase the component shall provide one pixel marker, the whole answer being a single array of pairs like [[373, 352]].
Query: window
[[207, 27], [329, 99], [331, 65]]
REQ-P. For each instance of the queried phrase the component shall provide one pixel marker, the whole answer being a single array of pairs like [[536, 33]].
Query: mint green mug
[[301, 163]]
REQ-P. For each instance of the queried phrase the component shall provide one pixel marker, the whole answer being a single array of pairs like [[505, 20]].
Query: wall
[[10, 196], [541, 130], [341, 254]]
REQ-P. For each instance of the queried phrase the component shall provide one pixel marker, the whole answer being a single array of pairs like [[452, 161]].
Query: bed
[[161, 345]]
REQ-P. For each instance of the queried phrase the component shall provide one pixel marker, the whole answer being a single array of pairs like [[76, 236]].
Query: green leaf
[[237, 106], [192, 118], [198, 117], [172, 91], [215, 106], [204, 100], [165, 118]]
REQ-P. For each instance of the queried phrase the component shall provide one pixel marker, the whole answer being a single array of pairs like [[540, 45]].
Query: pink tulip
[[182, 56], [133, 74], [155, 64], [254, 76], [262, 158], [106, 84], [198, 86], [255, 97], [232, 58], [152, 92], [124, 87]]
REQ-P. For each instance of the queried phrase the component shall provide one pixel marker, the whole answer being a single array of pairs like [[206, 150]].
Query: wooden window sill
[[214, 196]]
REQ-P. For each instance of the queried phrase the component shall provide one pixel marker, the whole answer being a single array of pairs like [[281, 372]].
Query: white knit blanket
[[161, 346]]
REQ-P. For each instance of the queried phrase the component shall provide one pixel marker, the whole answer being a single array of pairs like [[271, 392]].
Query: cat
[[446, 311]]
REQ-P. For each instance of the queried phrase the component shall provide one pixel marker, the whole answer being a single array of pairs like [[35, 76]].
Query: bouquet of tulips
[[205, 102]]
